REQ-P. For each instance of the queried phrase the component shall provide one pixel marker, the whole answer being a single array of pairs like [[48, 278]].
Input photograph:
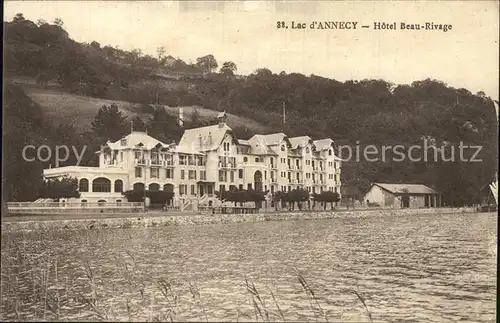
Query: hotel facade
[[206, 160]]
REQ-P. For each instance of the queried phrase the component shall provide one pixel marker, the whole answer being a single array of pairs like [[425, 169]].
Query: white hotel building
[[206, 160]]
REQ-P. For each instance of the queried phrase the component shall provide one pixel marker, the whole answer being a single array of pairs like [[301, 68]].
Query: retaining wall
[[170, 220]]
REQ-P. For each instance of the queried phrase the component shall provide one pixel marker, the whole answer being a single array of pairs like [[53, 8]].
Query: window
[[182, 189], [282, 147], [101, 184], [139, 187], [183, 174], [192, 174], [193, 190], [240, 173], [154, 187], [203, 175], [83, 185], [169, 173], [249, 186], [245, 159], [330, 152], [257, 159], [265, 174], [307, 150], [121, 156], [201, 162], [101, 202], [137, 155], [232, 176], [182, 159], [222, 176], [138, 172], [155, 172], [119, 185]]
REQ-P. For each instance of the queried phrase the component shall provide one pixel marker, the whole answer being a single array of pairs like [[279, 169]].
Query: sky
[[246, 33]]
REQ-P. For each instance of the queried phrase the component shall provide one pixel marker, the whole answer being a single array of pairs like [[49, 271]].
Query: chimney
[[222, 119], [209, 138], [181, 116], [200, 138]]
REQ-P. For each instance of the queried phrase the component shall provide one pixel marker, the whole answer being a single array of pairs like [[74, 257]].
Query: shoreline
[[161, 219]]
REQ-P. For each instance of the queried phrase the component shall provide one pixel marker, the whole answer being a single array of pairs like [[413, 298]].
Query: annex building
[[206, 160]]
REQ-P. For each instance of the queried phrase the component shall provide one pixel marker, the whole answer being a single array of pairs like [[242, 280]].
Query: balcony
[[140, 161], [110, 162], [156, 162], [227, 165], [273, 166]]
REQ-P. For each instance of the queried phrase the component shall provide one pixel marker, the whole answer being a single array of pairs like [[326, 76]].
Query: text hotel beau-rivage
[[350, 25]]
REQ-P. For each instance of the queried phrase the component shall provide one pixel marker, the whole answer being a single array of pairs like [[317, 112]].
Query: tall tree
[[109, 123], [228, 68], [207, 63]]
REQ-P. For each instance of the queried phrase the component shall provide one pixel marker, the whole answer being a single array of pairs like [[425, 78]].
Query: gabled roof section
[[406, 188], [204, 138], [259, 146], [323, 144], [137, 139], [301, 141], [272, 139]]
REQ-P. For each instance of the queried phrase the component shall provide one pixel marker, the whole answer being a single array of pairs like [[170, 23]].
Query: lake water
[[431, 268]]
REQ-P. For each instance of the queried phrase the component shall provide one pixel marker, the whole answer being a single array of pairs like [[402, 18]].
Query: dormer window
[[123, 142], [307, 150], [282, 147], [329, 152]]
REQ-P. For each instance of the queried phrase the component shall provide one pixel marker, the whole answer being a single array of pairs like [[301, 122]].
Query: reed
[[36, 285]]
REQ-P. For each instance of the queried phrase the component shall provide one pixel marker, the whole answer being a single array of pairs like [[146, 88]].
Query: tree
[[161, 52], [58, 22], [65, 187], [164, 127], [109, 123], [325, 197], [155, 197], [18, 18], [196, 120], [138, 124], [95, 44], [207, 63], [228, 68], [41, 22], [297, 196]]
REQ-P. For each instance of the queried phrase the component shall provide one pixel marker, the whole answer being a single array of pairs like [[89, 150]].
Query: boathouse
[[402, 196]]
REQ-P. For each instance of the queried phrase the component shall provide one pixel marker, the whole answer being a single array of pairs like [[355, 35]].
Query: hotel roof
[[301, 141], [407, 188], [323, 144], [137, 139], [204, 138]]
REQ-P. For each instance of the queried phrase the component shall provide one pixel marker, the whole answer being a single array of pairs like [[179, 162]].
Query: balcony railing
[[156, 162], [140, 161], [227, 165]]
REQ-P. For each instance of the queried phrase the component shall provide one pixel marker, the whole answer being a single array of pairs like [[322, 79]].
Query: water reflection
[[432, 268]]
